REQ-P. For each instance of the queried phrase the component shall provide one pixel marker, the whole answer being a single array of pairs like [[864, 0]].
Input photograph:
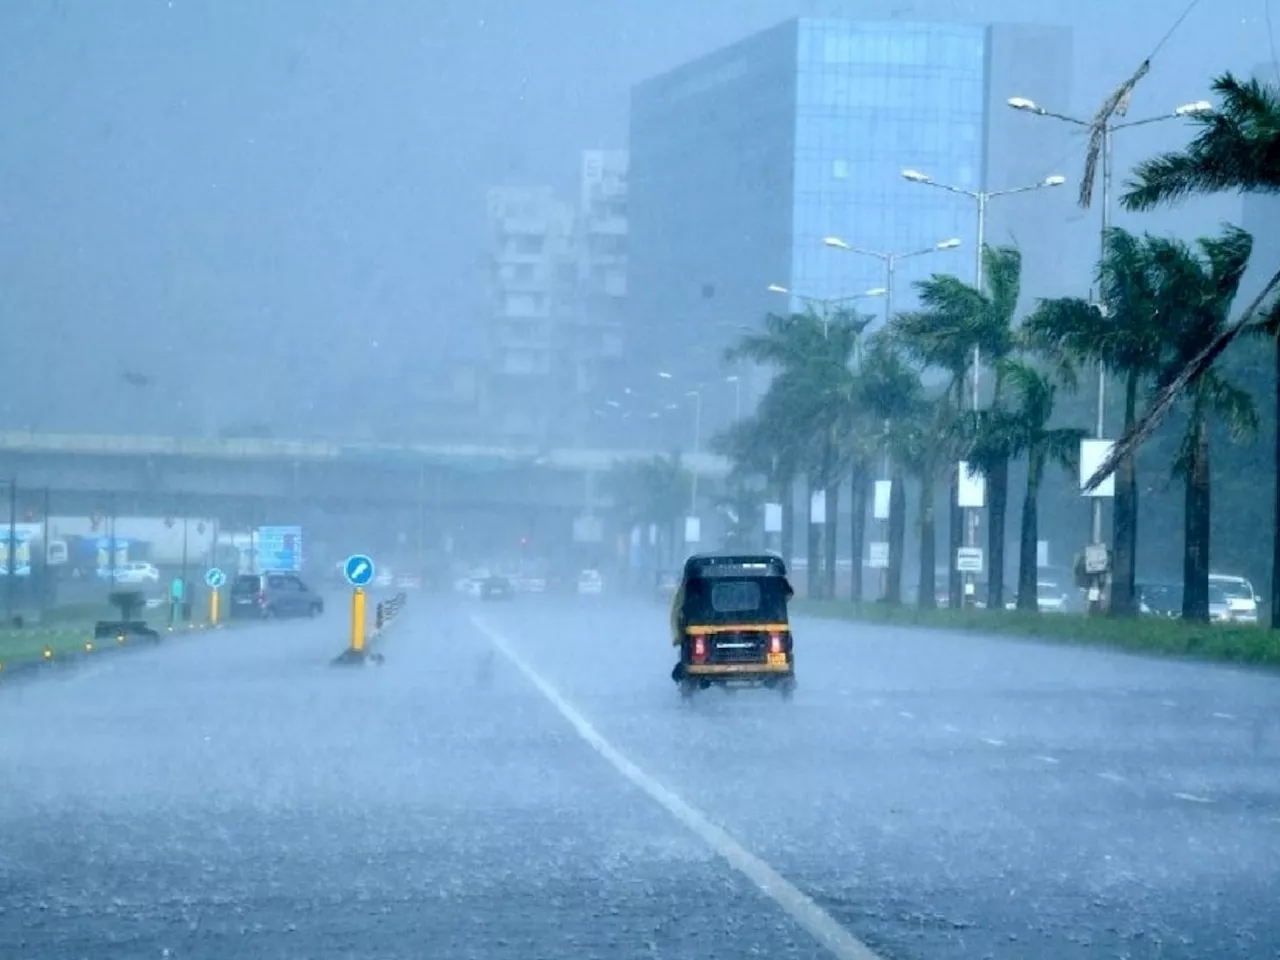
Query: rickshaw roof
[[734, 565]]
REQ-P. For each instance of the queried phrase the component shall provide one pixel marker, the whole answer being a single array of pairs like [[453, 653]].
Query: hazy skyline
[[262, 205]]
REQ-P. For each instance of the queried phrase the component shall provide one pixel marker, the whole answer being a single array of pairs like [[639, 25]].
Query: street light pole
[[1108, 136], [983, 198], [890, 261], [697, 444]]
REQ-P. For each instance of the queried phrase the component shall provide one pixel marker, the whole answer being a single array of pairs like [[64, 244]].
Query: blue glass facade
[[872, 99], [744, 160]]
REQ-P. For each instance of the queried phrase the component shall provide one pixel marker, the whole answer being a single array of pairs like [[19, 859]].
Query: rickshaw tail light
[[775, 643], [699, 648]]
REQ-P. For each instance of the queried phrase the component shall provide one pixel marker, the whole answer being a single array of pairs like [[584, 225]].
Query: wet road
[[937, 796]]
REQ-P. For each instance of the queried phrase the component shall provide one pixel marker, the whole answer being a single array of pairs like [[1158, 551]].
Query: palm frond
[[1237, 149]]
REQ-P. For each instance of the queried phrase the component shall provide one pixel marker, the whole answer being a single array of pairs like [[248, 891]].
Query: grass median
[[1253, 645], [64, 636]]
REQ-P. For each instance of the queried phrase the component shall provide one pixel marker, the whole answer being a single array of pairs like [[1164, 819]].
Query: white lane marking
[[993, 741], [905, 715], [950, 728], [1224, 716], [1113, 777], [772, 884], [1044, 759], [1192, 798]]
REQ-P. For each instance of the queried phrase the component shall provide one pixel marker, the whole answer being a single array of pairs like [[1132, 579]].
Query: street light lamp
[[737, 395], [826, 303], [982, 198], [890, 261], [1192, 109]]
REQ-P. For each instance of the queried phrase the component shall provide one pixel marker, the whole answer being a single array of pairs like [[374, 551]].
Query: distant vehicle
[[496, 588], [1220, 605], [267, 595], [133, 572], [590, 582], [1053, 597], [1160, 600], [1242, 599]]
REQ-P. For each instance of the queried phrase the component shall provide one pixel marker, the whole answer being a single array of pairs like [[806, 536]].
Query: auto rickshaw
[[729, 619]]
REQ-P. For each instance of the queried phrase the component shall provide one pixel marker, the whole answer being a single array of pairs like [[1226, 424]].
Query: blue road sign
[[358, 570], [214, 578]]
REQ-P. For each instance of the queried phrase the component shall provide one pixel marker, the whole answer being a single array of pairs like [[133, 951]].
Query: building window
[[840, 169]]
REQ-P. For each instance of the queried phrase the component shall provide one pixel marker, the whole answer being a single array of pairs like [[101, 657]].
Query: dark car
[[264, 595], [496, 588]]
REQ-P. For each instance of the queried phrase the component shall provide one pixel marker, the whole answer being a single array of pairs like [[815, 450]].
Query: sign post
[[213, 579], [359, 573]]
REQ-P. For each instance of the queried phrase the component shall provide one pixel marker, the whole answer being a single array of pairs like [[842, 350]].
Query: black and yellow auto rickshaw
[[729, 619]]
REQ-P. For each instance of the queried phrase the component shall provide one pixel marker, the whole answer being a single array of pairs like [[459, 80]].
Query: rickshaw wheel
[[687, 688], [788, 687]]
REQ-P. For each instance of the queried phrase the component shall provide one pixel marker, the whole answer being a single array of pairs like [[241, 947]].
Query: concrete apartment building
[[744, 160], [557, 280]]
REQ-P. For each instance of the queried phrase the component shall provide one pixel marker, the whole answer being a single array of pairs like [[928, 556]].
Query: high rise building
[[557, 283], [743, 161]]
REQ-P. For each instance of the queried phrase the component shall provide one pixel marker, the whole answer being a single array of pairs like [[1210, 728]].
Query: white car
[[590, 581], [133, 573], [1241, 599]]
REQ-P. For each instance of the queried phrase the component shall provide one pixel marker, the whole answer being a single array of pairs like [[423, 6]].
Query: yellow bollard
[[357, 620], [213, 608]]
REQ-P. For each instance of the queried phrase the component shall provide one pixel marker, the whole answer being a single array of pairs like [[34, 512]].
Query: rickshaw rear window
[[735, 596]]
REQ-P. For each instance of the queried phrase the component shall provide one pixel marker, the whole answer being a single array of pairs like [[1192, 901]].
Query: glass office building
[[744, 160]]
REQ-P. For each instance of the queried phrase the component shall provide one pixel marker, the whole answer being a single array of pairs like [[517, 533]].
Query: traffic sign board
[[358, 570], [214, 578], [969, 559]]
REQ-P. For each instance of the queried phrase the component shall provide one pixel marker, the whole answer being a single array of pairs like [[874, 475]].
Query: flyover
[[159, 473]]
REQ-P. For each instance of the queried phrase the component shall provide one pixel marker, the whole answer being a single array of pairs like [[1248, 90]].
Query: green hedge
[[1224, 643]]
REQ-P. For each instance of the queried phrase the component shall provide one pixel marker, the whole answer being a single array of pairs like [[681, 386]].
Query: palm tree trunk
[[927, 593], [955, 540], [1124, 519], [813, 552], [830, 532], [897, 537], [857, 528], [998, 491], [1196, 518], [1029, 537], [1275, 535]]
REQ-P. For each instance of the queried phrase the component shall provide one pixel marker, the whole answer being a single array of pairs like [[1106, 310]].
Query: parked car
[[590, 581], [135, 572], [266, 595], [1242, 599], [496, 588]]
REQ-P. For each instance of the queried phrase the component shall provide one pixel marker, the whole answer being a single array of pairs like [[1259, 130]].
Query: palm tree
[[807, 409], [757, 448], [953, 318], [1236, 150], [922, 445], [654, 491], [1126, 333], [1198, 292], [1024, 427], [889, 393]]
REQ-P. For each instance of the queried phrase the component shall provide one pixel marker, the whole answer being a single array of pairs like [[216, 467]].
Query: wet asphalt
[[232, 794]]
